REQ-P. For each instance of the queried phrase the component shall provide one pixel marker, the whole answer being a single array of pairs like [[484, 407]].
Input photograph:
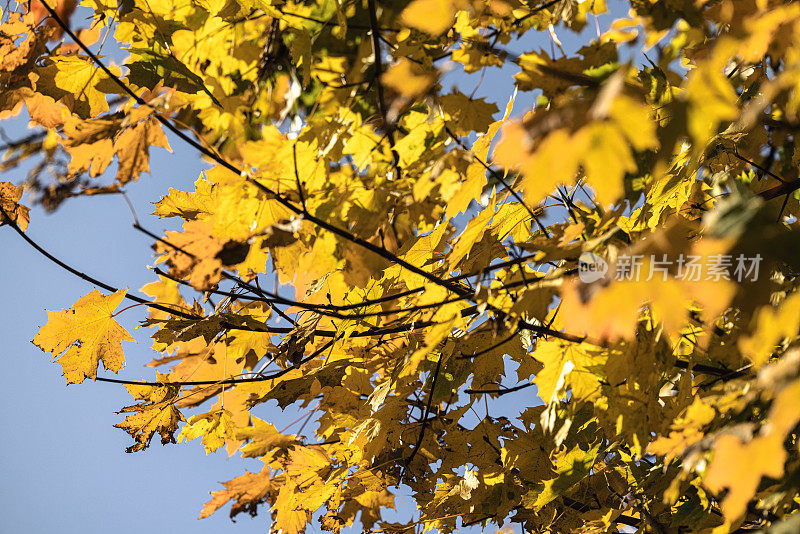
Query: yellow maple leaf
[[214, 428], [85, 334], [46, 111], [248, 490], [567, 365], [166, 292], [772, 325], [606, 157], [305, 464], [263, 438], [198, 253], [739, 466], [430, 16], [467, 115], [290, 515], [408, 78], [571, 467], [712, 98], [90, 144], [79, 78], [688, 430], [132, 147], [543, 169], [189, 206], [155, 413], [421, 252], [10, 196], [471, 235]]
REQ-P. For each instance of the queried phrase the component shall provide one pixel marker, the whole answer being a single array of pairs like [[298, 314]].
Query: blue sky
[[63, 465]]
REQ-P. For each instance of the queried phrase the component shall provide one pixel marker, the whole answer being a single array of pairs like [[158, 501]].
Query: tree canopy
[[392, 256]]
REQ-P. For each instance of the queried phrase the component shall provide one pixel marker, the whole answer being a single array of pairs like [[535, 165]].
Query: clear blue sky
[[62, 464]]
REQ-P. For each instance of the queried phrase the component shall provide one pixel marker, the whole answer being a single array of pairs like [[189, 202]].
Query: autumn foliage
[[388, 254]]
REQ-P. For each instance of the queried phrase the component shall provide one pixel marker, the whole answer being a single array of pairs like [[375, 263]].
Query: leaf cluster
[[426, 316]]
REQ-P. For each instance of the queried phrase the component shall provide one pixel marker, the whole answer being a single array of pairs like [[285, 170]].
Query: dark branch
[[284, 201], [91, 279], [378, 62], [424, 416], [497, 176], [498, 392], [223, 382]]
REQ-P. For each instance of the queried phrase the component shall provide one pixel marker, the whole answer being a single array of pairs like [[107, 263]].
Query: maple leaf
[[290, 514], [155, 413], [74, 80], [408, 79], [468, 114], [63, 8], [46, 111], [132, 147], [290, 390], [431, 16], [214, 429], [195, 252], [248, 490], [93, 143], [571, 467], [263, 438], [189, 206], [726, 471], [90, 145], [772, 326], [568, 366], [10, 196], [84, 335], [165, 291]]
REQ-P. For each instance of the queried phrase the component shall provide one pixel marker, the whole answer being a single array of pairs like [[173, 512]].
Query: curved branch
[[284, 201], [427, 411], [270, 297], [223, 382], [91, 279], [497, 176], [498, 392], [378, 62]]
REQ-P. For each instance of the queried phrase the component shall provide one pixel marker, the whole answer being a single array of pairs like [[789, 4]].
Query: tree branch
[[498, 392], [497, 176], [344, 234], [424, 417], [86, 277], [223, 382], [378, 62]]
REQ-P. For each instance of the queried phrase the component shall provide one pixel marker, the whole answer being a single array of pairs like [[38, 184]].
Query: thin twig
[[497, 176], [498, 392], [86, 277], [424, 416], [378, 62], [297, 177], [224, 382]]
